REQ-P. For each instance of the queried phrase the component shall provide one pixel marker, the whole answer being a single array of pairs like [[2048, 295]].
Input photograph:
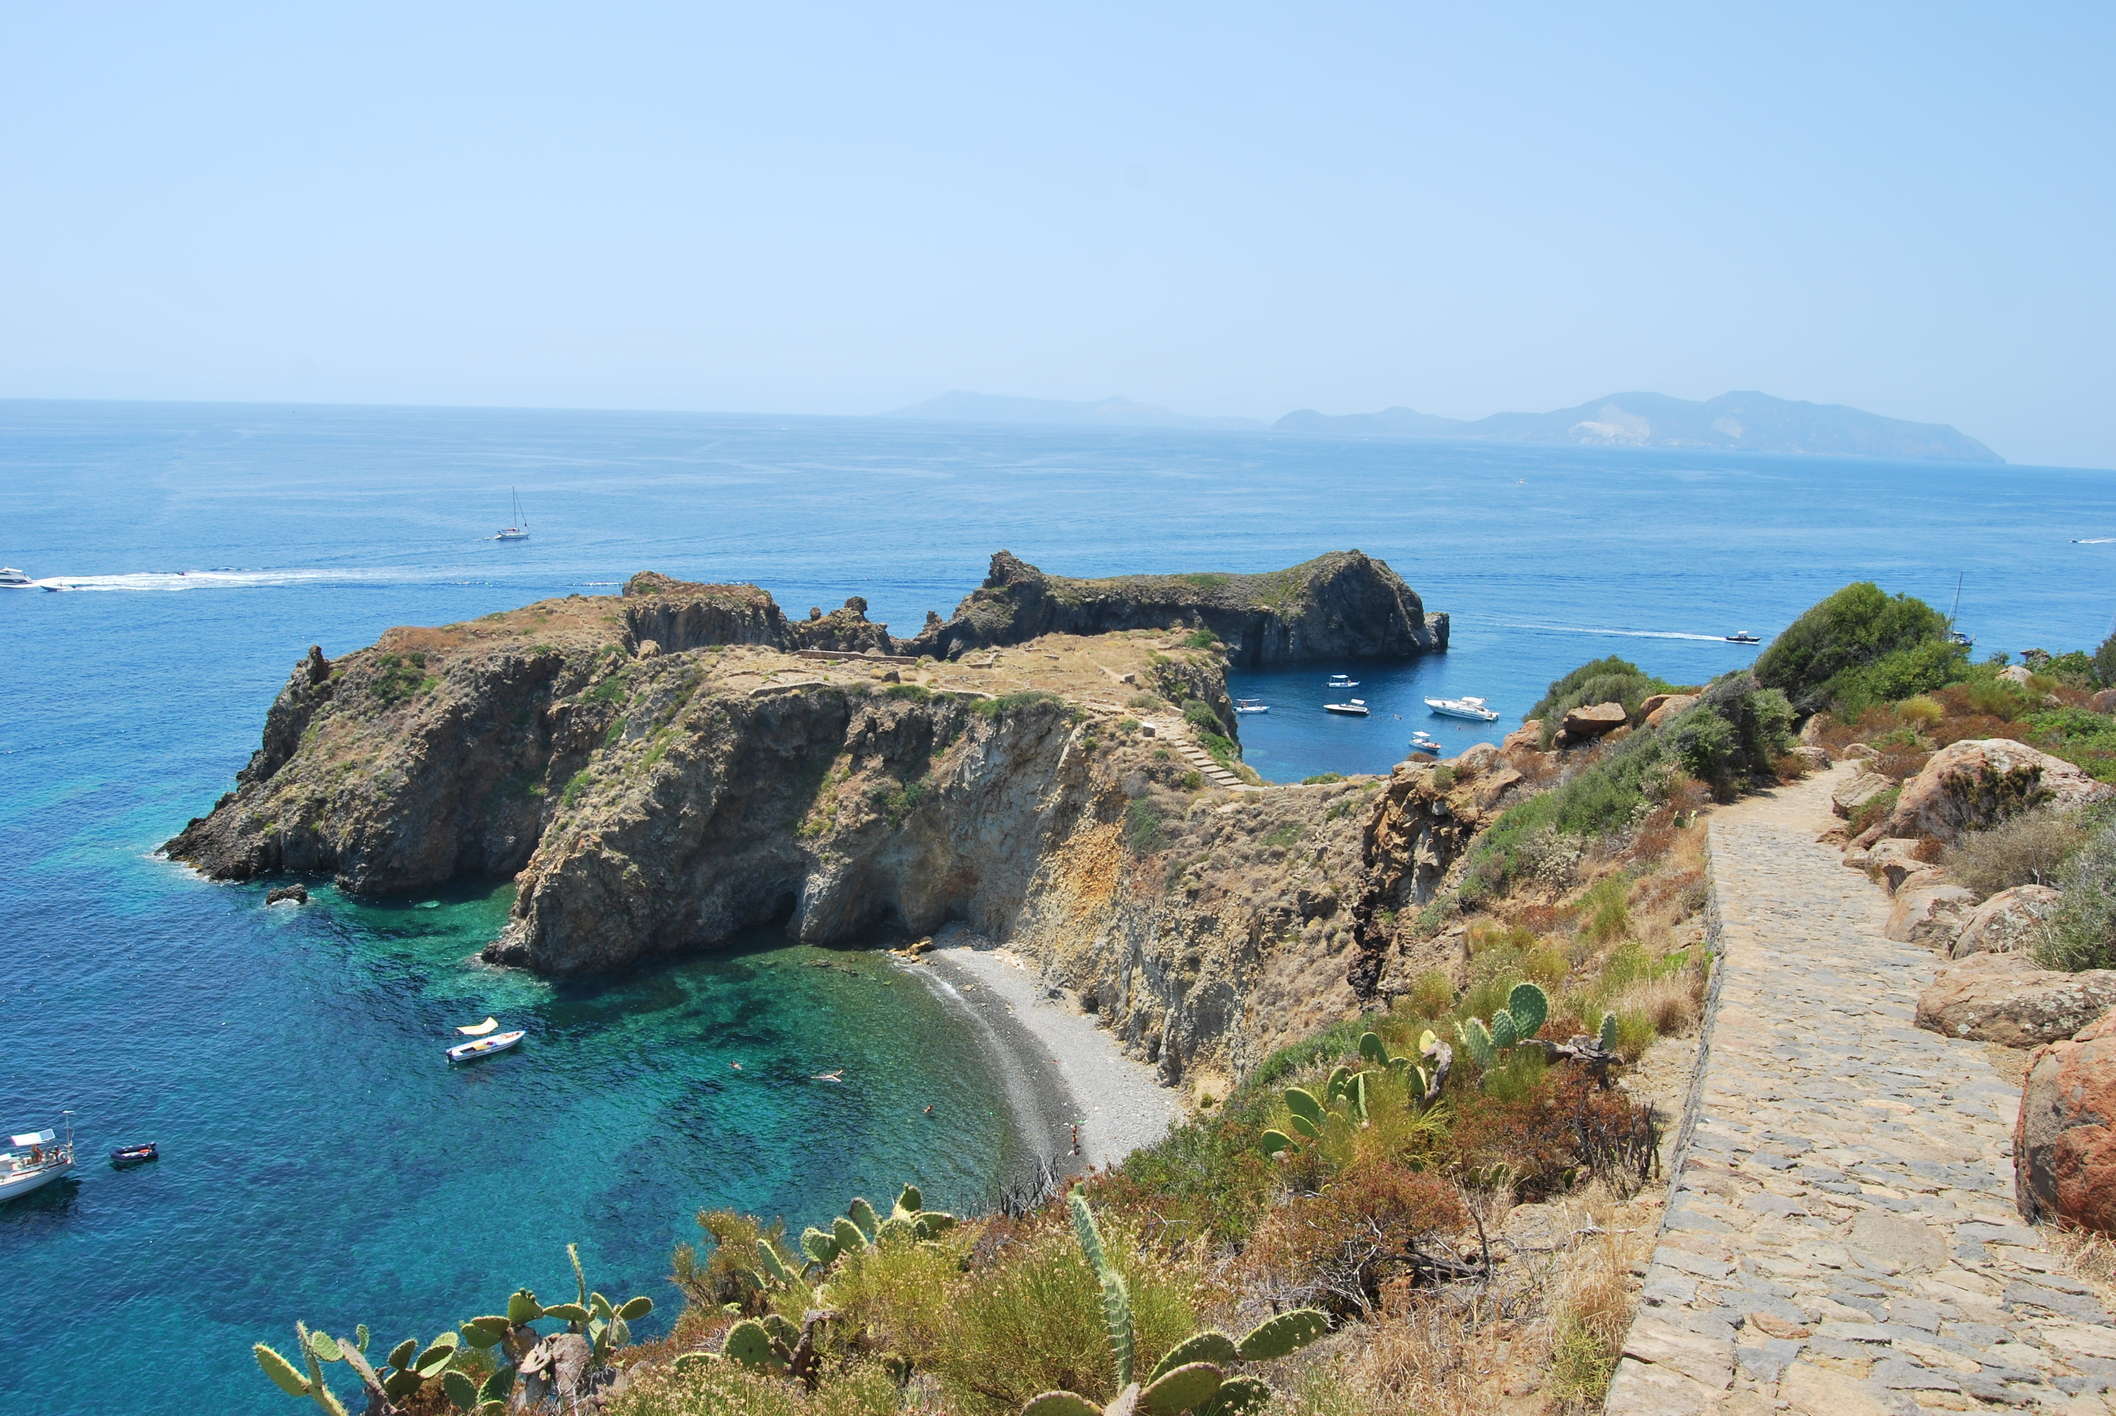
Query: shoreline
[[1059, 1066]]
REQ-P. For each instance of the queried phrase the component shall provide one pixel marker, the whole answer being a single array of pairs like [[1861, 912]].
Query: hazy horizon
[[826, 209]]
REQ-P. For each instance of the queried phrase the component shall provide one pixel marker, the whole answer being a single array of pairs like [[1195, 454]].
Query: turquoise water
[[321, 1162]]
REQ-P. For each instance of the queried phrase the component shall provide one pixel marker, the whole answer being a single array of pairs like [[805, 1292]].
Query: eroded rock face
[[1422, 824], [2007, 922], [1968, 786], [1344, 605], [2064, 1144], [2006, 998]]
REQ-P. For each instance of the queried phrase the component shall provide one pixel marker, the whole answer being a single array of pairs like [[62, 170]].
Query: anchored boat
[[1251, 705], [34, 1159], [1425, 742], [1351, 708], [1475, 709], [519, 530]]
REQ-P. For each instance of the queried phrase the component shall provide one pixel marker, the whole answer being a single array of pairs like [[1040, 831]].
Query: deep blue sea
[[320, 1162]]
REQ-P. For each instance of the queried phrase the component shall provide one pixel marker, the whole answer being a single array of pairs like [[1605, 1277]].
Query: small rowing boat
[[126, 1156], [484, 1046]]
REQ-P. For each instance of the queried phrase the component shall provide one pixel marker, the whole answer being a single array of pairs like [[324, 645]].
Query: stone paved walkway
[[1840, 1237]]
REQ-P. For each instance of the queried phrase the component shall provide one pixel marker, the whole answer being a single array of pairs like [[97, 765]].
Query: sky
[[1227, 207]]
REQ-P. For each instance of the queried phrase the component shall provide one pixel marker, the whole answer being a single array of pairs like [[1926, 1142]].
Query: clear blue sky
[[1226, 207]]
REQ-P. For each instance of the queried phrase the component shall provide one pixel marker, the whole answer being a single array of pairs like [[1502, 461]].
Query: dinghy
[[484, 1046]]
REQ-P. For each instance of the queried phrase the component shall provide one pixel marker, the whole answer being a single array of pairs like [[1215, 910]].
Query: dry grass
[[1672, 1003], [2092, 1257]]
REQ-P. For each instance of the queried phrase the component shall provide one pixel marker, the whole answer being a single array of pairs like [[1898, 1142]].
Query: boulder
[[2006, 998], [1592, 720], [1930, 914], [1857, 791], [294, 894], [1663, 706], [2007, 922], [2018, 673], [2064, 1144], [2104, 701], [1894, 860], [1967, 786], [1526, 738], [1860, 752], [1816, 758]]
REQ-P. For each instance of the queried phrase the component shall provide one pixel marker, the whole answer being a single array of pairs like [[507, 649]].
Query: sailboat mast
[[1956, 607]]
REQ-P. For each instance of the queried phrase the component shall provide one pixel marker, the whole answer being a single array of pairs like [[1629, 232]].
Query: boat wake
[[1624, 633], [165, 580], [2093, 540]]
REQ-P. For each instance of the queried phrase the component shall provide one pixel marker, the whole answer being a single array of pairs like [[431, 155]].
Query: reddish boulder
[[1929, 914], [2064, 1144], [2005, 998], [1967, 786], [1663, 706]]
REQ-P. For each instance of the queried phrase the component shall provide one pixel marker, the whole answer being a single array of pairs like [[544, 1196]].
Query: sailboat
[[34, 1159], [1955, 636], [519, 530]]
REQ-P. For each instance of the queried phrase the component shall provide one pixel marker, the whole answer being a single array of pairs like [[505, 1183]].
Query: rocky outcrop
[[2007, 922], [2064, 1145], [1344, 605], [1658, 708], [1591, 720], [2005, 998], [660, 772], [1972, 785]]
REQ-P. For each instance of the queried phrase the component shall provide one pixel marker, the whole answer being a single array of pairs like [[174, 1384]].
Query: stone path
[[1176, 733], [1840, 1237]]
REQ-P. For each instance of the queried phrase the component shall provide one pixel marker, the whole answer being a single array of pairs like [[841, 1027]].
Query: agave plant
[[1192, 1376]]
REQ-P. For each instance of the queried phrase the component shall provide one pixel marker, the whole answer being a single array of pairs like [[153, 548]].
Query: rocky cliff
[[662, 770], [1344, 605]]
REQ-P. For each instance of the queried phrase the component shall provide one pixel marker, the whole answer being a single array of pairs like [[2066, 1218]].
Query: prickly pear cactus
[[1286, 1333], [1606, 1034], [1477, 1040], [1504, 1031], [1530, 1007]]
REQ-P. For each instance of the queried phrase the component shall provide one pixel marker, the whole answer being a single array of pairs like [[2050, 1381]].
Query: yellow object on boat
[[479, 1029]]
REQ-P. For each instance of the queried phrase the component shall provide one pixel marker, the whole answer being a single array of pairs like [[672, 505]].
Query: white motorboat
[[519, 530], [1742, 636], [1425, 742], [1251, 705], [484, 1046], [1341, 681], [1351, 708], [33, 1160], [13, 579], [1466, 706]]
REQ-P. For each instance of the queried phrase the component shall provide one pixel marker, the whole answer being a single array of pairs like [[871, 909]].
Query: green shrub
[[1191, 782], [1007, 703], [1322, 777], [1850, 631], [1199, 714], [399, 677], [908, 692], [610, 689], [2028, 849], [1201, 639], [2081, 931], [1146, 702], [1898, 675], [1609, 680], [1142, 827], [2104, 662]]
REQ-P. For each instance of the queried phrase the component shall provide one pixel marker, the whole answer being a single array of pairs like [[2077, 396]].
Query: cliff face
[[661, 770], [1344, 605]]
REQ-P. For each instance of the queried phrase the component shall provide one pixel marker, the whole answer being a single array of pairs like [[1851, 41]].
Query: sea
[[321, 1162]]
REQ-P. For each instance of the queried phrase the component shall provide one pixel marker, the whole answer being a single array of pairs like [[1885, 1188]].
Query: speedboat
[[33, 1160], [484, 1046], [1351, 707], [1251, 705], [13, 579], [125, 1156], [1425, 742], [1464, 707], [1742, 636], [1341, 681]]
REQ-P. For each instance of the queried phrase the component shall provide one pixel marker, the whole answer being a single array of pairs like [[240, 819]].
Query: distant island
[[1732, 422]]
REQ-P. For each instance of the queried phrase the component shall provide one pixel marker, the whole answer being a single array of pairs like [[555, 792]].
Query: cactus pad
[[284, 1374], [1505, 1032], [1477, 1040], [862, 1214], [1206, 1346], [849, 1236], [1288, 1332], [749, 1343], [821, 1248], [1237, 1396], [1371, 1048], [522, 1307], [1274, 1141], [1606, 1034], [1181, 1389], [911, 1201], [1061, 1403], [1530, 1007]]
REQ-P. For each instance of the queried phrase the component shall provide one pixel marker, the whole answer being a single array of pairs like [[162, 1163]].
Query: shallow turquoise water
[[321, 1161]]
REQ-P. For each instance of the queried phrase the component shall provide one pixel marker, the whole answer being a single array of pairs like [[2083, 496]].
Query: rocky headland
[[662, 770]]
